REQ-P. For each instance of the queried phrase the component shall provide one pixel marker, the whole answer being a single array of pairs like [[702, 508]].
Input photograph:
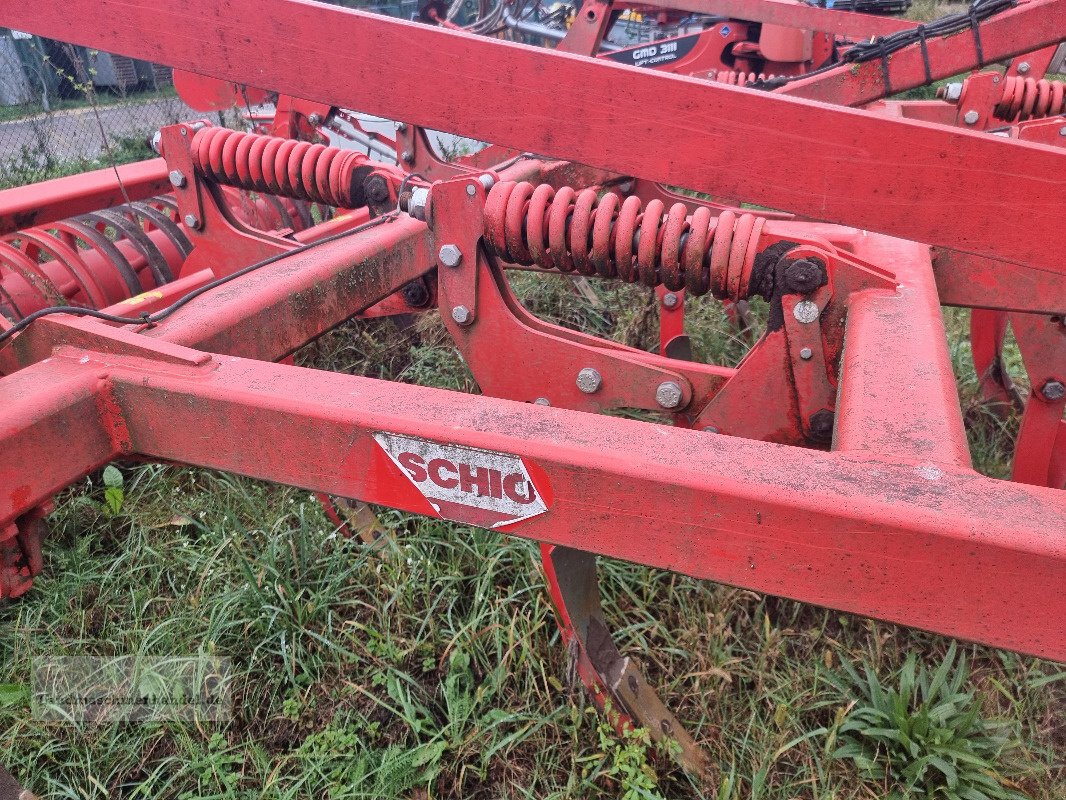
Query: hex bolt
[[1053, 390], [470, 189], [952, 92], [589, 380], [806, 353], [450, 255], [415, 294], [401, 127], [191, 221], [542, 401], [1062, 131], [314, 119], [822, 425], [668, 394], [486, 180], [462, 315], [670, 300], [804, 275], [1023, 68], [971, 117], [177, 178], [806, 311], [376, 189], [407, 156]]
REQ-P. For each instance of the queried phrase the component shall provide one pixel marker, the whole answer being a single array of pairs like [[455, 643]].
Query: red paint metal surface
[[907, 165]]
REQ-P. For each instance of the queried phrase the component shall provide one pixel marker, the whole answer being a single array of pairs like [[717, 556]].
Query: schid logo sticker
[[468, 485]]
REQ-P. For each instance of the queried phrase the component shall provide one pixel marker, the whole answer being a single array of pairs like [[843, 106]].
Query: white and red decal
[[468, 485]]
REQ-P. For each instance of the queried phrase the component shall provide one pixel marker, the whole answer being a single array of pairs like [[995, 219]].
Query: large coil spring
[[94, 260], [736, 78], [567, 230], [1026, 98], [284, 167]]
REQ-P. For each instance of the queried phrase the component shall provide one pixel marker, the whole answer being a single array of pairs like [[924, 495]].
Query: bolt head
[[542, 401], [589, 380], [952, 92], [470, 190], [177, 178], [806, 311], [401, 127], [191, 221], [670, 300], [314, 119], [1023, 68], [804, 275], [806, 353], [462, 315], [668, 394], [971, 117], [1062, 131], [450, 255], [407, 156], [1053, 390]]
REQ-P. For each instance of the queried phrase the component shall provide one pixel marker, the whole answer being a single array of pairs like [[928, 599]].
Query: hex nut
[[589, 380], [1053, 390], [806, 353], [191, 221], [450, 255], [668, 394], [952, 92], [670, 300], [462, 315], [971, 117], [806, 311], [177, 178]]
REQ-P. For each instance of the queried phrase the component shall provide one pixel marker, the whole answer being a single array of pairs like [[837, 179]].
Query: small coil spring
[[735, 78], [277, 166], [568, 230], [1026, 98]]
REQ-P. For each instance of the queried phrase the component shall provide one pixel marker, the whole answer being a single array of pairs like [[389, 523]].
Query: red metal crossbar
[[896, 176]]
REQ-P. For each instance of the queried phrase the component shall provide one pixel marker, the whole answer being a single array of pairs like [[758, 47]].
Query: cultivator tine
[[614, 681]]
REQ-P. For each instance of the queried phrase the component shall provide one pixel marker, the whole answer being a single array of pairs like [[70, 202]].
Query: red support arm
[[49, 201], [1028, 27], [902, 177]]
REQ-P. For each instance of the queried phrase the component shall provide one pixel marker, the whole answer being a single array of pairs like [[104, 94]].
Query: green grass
[[431, 667]]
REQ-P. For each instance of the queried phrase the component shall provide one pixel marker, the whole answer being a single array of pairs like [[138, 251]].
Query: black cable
[[883, 46], [159, 316]]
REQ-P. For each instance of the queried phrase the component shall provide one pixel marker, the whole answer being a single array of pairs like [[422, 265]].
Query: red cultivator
[[830, 466]]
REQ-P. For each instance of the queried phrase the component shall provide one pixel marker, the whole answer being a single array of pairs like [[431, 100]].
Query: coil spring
[[735, 78], [567, 230], [94, 260], [1026, 98], [278, 166]]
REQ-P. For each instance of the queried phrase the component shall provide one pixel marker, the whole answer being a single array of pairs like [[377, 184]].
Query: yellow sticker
[[143, 298]]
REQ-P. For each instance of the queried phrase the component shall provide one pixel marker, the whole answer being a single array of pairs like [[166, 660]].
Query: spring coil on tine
[[735, 78], [1027, 98], [568, 230], [277, 166]]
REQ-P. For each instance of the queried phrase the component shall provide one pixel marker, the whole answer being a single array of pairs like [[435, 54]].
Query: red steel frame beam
[[938, 548], [1030, 26], [50, 201], [790, 14], [903, 177]]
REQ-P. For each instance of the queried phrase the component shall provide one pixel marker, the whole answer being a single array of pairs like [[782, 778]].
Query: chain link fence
[[66, 109]]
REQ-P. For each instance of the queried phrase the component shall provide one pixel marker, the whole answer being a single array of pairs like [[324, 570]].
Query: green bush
[[926, 737]]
